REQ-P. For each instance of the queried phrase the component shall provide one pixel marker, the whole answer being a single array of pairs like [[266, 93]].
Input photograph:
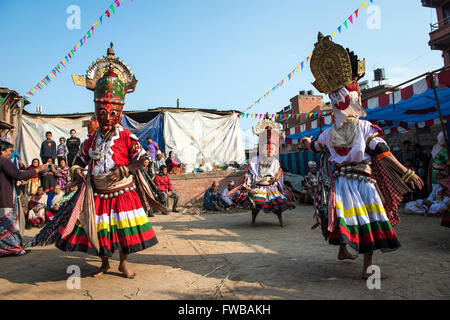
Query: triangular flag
[[298, 115], [364, 4], [339, 29], [351, 19], [117, 2], [112, 8], [247, 115], [101, 18], [89, 34], [298, 67], [346, 24], [78, 44], [302, 65], [334, 33], [95, 23], [290, 114], [272, 115], [276, 116], [356, 13]]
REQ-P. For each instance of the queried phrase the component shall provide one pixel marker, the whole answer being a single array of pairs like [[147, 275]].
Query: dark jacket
[[48, 150], [73, 145], [8, 175]]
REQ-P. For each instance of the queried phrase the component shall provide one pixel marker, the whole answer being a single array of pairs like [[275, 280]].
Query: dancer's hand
[[78, 174], [41, 167], [416, 182], [305, 142], [114, 176]]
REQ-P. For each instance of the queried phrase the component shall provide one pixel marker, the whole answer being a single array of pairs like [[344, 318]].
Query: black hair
[[5, 145], [35, 159], [62, 139], [406, 142], [149, 138], [162, 167], [48, 133], [72, 130]]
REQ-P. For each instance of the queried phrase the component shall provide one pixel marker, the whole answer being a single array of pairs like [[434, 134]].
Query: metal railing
[[437, 25]]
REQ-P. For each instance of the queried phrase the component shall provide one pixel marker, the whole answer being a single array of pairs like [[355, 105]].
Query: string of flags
[[281, 116], [111, 10], [298, 68]]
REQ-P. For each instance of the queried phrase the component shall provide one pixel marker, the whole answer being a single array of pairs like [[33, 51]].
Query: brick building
[[440, 31], [305, 102]]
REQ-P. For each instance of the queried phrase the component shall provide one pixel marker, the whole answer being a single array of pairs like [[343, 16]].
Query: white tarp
[[199, 135], [33, 129]]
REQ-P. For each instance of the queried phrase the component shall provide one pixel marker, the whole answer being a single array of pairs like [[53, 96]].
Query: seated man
[[158, 162], [435, 204], [165, 189], [230, 200], [212, 199], [310, 182], [53, 202], [36, 207]]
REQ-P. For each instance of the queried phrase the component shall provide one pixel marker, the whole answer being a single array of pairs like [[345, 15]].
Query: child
[[61, 151]]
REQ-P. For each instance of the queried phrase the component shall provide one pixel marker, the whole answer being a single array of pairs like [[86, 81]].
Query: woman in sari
[[36, 206], [62, 175], [34, 182], [173, 166], [48, 179], [439, 160], [10, 238]]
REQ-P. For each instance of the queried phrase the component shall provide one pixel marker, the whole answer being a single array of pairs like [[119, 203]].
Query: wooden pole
[[433, 85]]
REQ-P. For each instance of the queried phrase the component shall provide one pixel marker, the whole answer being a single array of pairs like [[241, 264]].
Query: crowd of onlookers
[[47, 190]]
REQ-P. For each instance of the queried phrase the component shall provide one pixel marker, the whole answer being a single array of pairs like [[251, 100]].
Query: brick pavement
[[266, 262]]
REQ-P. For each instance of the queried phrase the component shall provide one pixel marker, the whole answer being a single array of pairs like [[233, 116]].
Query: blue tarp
[[308, 133], [153, 128], [418, 108]]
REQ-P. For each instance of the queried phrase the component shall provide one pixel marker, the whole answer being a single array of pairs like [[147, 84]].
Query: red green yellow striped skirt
[[122, 224], [361, 217], [271, 199]]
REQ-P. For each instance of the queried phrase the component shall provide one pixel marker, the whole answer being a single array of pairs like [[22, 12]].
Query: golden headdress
[[330, 65]]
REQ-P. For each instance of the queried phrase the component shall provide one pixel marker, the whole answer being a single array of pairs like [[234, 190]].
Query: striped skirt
[[122, 224], [361, 218], [271, 199]]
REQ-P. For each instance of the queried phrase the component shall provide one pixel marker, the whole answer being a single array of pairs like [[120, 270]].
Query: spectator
[[36, 207], [418, 155], [147, 166], [73, 146], [10, 238], [160, 161], [212, 199], [61, 151], [230, 200], [162, 181], [53, 202], [48, 179], [62, 175], [152, 147], [406, 152], [439, 160], [173, 166], [48, 148], [311, 182], [34, 182], [435, 204]]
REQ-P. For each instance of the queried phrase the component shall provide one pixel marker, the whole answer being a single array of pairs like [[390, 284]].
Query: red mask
[[109, 99], [108, 115]]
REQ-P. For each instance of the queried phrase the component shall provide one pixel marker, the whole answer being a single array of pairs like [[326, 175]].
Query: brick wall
[[192, 186]]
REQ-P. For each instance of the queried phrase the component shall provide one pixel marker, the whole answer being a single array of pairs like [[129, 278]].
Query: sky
[[221, 54]]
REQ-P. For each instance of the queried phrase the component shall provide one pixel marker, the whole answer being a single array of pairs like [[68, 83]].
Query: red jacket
[[163, 182]]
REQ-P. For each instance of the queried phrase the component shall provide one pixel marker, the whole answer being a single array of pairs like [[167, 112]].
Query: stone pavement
[[244, 262]]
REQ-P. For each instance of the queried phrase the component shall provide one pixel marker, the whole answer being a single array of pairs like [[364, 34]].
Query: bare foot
[[347, 255], [127, 272], [103, 269]]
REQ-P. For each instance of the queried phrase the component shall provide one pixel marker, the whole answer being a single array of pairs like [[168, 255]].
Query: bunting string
[[298, 68], [281, 116], [110, 11]]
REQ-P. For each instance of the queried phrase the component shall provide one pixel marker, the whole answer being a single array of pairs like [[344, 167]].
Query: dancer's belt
[[355, 170], [105, 190]]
